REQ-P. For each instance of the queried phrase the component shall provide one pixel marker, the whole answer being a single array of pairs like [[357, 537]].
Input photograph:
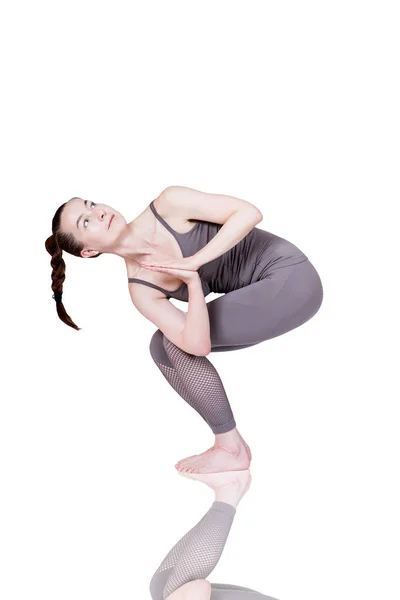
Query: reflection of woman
[[182, 574], [270, 287]]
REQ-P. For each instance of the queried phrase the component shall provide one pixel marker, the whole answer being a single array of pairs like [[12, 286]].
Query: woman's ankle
[[231, 441]]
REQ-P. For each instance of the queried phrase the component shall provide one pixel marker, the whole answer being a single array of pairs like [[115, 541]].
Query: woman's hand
[[185, 275]]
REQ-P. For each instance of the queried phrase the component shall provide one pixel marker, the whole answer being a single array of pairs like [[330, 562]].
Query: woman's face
[[97, 226]]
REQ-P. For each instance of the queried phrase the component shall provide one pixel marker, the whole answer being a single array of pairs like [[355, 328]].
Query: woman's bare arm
[[238, 217], [189, 331], [186, 202], [197, 321], [199, 589]]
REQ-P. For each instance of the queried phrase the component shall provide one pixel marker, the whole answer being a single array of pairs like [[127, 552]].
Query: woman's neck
[[137, 240]]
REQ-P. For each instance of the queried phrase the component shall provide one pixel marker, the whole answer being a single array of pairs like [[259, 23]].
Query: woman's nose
[[101, 214]]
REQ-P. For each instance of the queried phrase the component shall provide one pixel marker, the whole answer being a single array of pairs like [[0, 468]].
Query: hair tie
[[57, 296]]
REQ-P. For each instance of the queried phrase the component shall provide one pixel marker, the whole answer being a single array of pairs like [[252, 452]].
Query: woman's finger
[[162, 269], [153, 267], [174, 267]]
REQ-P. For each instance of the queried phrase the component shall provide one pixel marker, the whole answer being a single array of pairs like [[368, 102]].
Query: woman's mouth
[[112, 216]]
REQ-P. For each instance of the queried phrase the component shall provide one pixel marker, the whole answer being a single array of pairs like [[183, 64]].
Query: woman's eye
[[92, 204]]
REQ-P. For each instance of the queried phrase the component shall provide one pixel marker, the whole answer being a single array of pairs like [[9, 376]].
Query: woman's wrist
[[194, 279]]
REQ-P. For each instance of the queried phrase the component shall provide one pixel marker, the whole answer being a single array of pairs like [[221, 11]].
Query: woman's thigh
[[285, 299]]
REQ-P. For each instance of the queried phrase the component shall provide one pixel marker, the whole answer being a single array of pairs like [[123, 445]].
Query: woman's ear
[[88, 253]]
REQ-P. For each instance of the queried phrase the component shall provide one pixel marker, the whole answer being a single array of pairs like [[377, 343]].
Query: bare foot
[[229, 453], [247, 448], [215, 460], [229, 486]]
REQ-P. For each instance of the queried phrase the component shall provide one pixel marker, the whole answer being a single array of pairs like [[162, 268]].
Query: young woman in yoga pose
[[184, 245]]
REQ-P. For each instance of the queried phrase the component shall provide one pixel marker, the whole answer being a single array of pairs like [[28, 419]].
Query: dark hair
[[55, 244]]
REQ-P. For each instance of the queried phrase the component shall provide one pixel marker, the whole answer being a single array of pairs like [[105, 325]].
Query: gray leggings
[[286, 298], [195, 556]]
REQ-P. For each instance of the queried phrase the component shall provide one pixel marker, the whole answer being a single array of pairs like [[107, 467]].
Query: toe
[[187, 461]]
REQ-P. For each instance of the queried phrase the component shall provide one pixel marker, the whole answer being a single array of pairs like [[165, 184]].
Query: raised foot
[[215, 460]]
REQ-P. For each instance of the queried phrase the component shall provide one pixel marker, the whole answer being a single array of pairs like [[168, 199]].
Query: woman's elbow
[[205, 350], [259, 215], [199, 350]]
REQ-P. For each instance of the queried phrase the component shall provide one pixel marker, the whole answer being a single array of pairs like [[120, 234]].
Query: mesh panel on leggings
[[197, 553], [197, 381], [175, 381]]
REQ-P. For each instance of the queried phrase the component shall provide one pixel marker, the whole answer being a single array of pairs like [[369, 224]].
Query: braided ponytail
[[58, 277], [55, 244]]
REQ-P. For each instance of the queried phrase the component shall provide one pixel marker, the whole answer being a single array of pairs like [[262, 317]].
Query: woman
[[270, 287], [182, 574]]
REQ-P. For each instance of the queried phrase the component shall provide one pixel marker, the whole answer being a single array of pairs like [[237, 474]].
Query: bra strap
[[153, 285], [162, 221]]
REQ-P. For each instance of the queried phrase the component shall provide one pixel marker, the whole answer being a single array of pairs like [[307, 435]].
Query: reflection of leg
[[224, 591], [196, 553], [227, 586]]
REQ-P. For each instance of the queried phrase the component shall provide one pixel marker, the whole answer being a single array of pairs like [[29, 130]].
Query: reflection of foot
[[199, 589], [215, 460], [229, 486]]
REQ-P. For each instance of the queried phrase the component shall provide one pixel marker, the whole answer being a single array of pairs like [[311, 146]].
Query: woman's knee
[[317, 291]]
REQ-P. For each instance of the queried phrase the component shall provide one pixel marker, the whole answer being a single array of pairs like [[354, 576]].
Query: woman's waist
[[250, 260], [280, 252], [266, 251]]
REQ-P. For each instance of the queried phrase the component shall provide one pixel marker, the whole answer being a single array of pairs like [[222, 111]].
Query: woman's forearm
[[196, 333], [235, 228]]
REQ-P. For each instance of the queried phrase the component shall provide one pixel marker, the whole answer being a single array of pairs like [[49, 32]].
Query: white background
[[293, 106]]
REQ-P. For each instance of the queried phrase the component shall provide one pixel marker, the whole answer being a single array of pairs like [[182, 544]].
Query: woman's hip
[[284, 299]]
